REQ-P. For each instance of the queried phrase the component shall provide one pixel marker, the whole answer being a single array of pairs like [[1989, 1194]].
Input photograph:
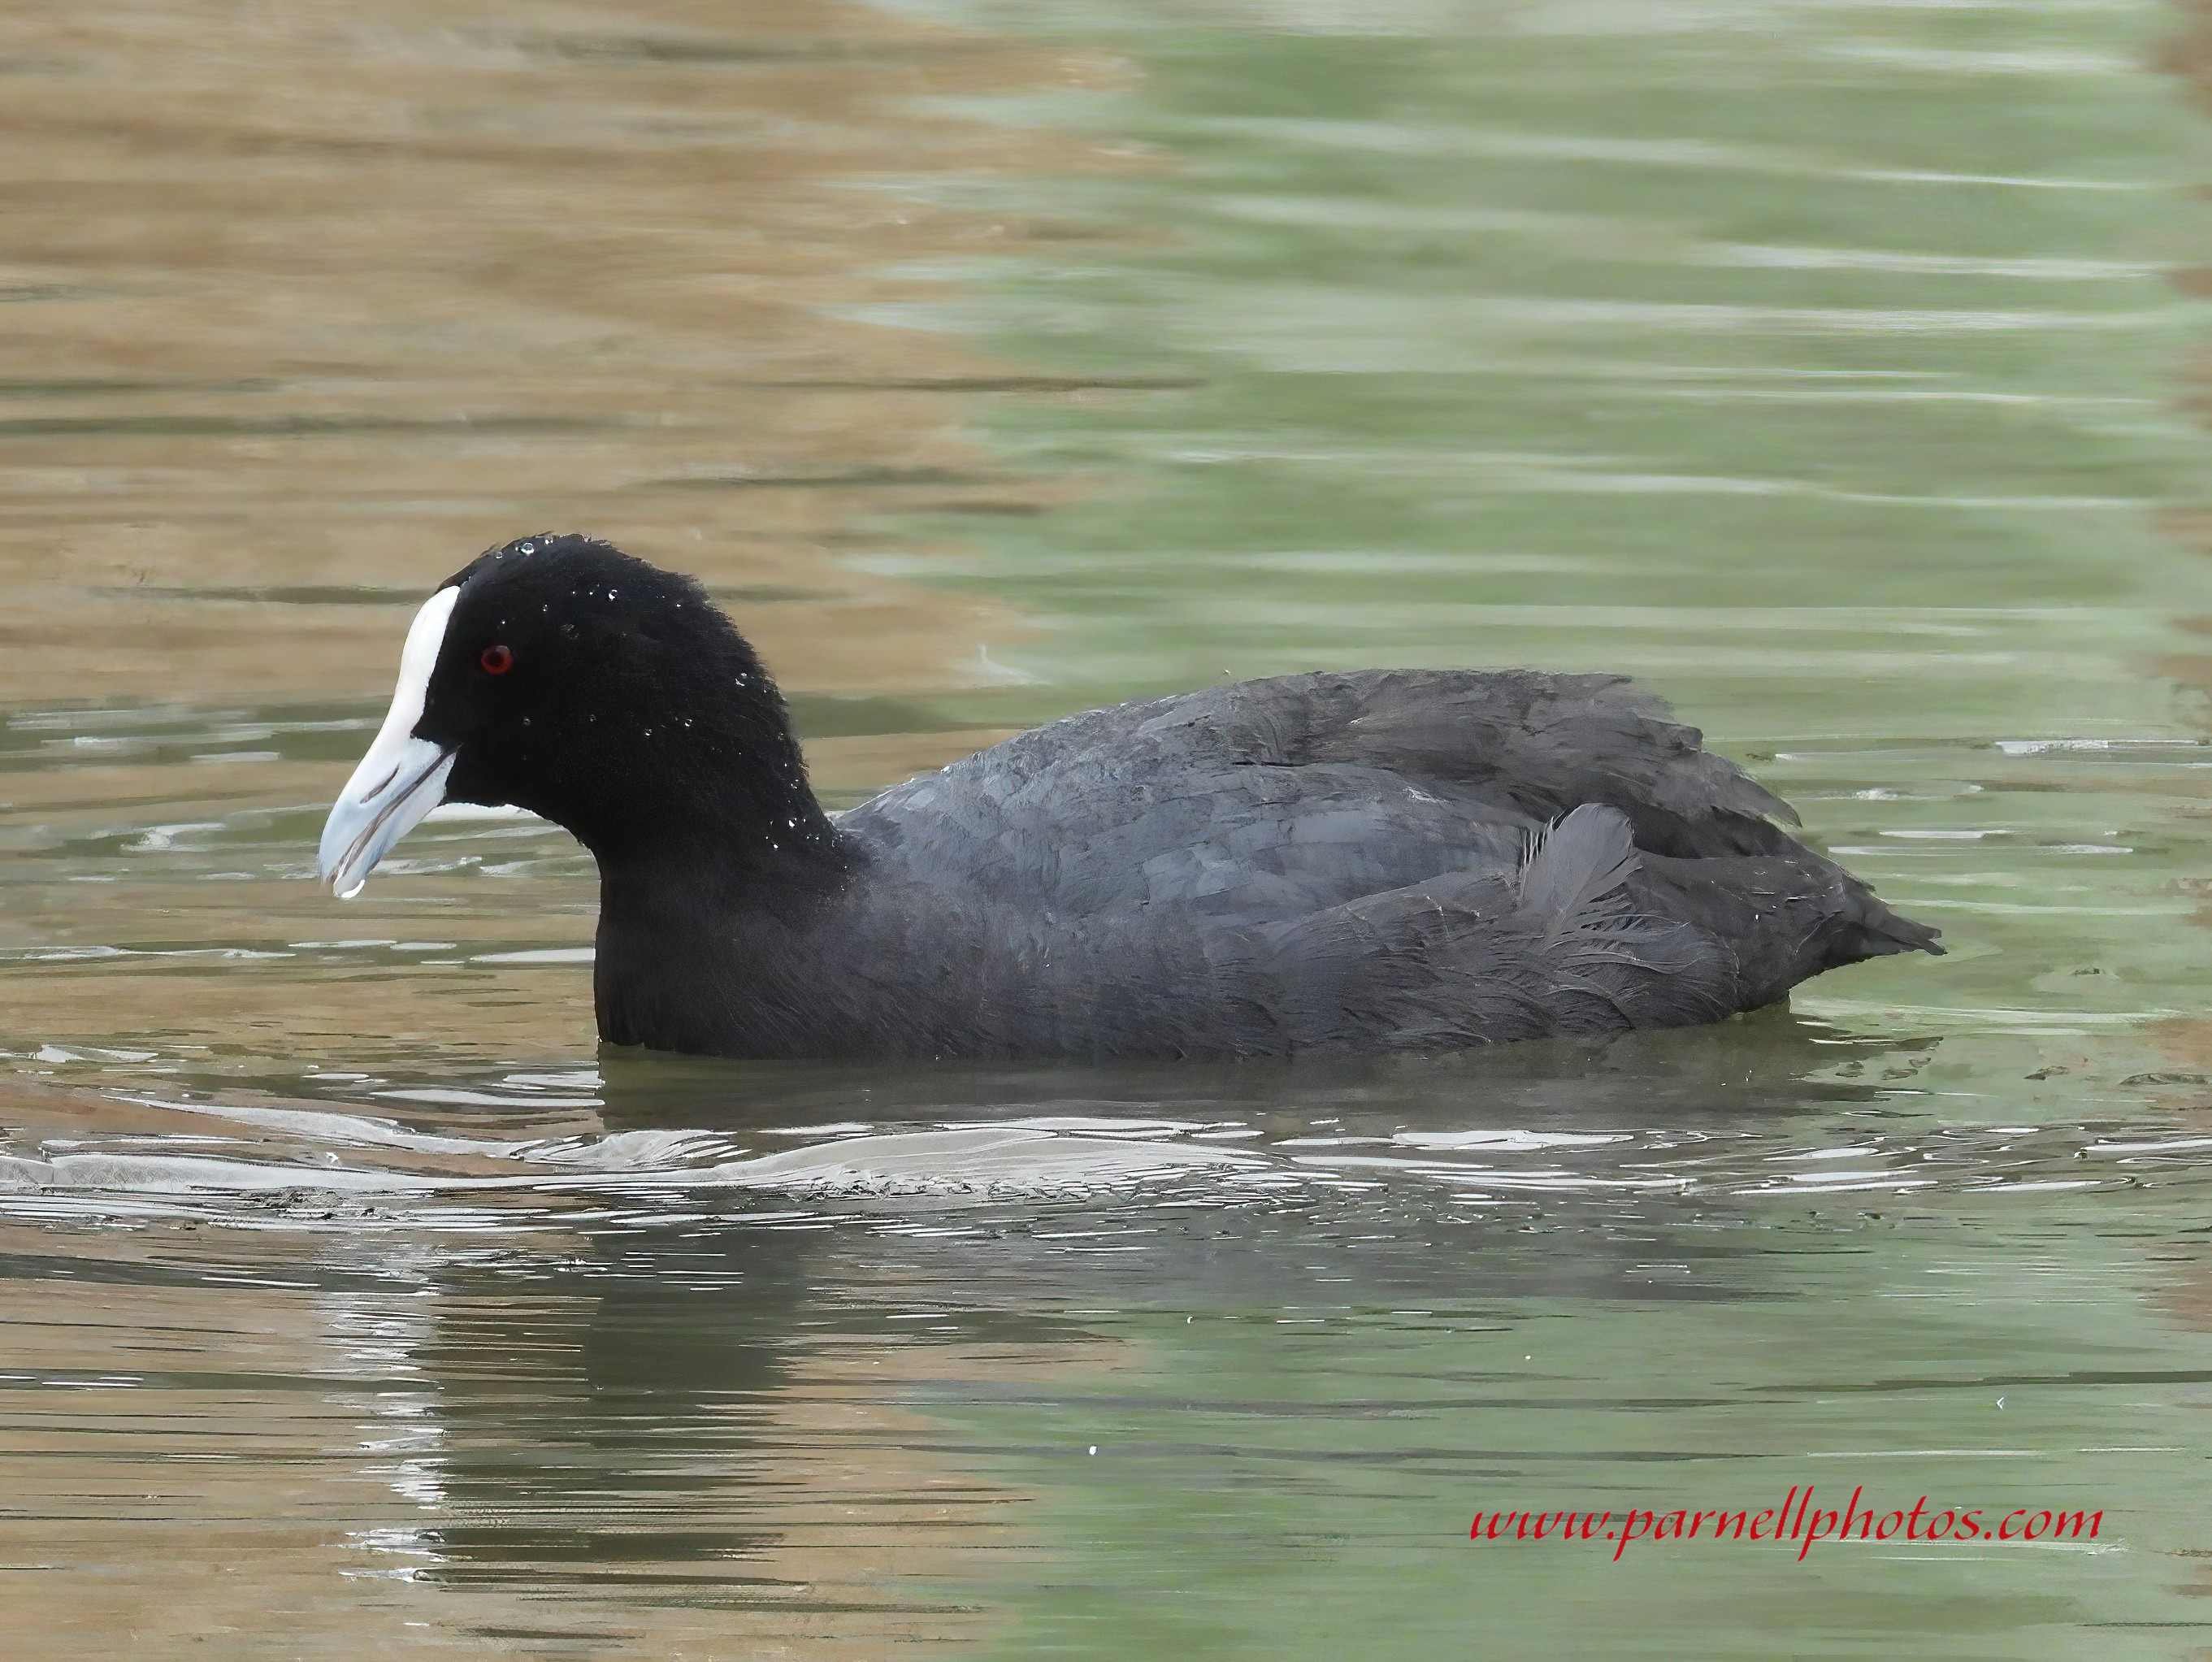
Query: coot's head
[[560, 675]]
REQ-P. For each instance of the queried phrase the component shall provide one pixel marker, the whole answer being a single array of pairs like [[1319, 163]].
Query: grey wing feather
[[1469, 958], [1575, 870], [1407, 859], [1515, 749], [1545, 744]]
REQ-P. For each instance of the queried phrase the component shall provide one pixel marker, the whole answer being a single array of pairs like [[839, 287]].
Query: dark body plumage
[[1382, 861]]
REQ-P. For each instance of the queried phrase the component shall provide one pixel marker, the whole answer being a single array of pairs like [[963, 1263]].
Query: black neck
[[706, 905], [686, 847], [703, 938], [698, 790]]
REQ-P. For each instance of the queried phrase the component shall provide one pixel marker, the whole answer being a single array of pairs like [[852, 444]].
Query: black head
[[599, 691]]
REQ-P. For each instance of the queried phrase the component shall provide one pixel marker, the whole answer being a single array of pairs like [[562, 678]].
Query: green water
[[1830, 367]]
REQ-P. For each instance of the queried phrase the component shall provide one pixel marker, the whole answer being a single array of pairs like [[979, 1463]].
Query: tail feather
[[1874, 931]]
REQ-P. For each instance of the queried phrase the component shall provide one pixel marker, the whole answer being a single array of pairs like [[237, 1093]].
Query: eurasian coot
[[1391, 859]]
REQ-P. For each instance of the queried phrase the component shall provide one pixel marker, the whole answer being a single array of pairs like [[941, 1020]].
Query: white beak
[[403, 777]]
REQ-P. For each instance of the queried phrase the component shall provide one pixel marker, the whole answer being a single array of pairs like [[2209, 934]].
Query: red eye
[[495, 659]]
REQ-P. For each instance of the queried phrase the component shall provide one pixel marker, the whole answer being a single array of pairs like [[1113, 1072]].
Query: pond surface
[[1837, 368]]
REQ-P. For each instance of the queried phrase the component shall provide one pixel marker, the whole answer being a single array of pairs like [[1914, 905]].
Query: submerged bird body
[[1384, 861]]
